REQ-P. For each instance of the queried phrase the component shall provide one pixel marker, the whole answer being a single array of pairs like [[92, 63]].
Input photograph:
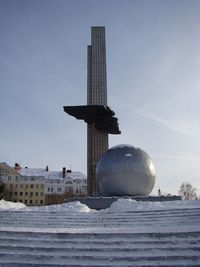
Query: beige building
[[35, 187], [54, 191], [29, 190]]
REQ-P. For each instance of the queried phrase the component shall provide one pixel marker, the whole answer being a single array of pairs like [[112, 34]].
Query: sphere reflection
[[125, 171]]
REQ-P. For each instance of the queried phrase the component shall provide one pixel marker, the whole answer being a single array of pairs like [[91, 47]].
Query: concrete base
[[99, 203]]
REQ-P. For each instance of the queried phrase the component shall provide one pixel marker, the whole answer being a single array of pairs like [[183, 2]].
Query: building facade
[[25, 189], [36, 187]]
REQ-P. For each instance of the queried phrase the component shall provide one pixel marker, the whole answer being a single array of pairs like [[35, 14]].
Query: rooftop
[[50, 174]]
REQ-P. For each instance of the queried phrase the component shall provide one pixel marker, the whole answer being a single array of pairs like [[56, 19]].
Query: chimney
[[17, 166], [64, 172], [47, 168]]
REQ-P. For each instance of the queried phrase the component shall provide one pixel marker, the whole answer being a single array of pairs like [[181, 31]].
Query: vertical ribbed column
[[96, 95], [89, 126], [99, 81]]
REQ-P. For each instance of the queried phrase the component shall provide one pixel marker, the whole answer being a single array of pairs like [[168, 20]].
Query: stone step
[[103, 260], [176, 212], [104, 251], [105, 238], [94, 217], [88, 243], [99, 213], [108, 236], [16, 264]]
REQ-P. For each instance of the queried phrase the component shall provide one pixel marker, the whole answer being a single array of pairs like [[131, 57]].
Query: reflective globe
[[125, 171]]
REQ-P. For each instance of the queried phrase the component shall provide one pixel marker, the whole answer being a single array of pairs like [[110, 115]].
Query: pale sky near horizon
[[153, 66]]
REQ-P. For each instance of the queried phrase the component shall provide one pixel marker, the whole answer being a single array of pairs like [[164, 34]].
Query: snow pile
[[124, 205], [121, 205], [71, 207], [8, 205]]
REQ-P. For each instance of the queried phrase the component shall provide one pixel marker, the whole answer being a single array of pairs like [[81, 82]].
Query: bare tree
[[187, 191]]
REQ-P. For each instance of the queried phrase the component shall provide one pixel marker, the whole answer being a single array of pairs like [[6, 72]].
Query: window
[[36, 193], [48, 189], [31, 201], [59, 189], [16, 185], [26, 193], [15, 193], [16, 178], [37, 186], [41, 194], [41, 201], [31, 194], [70, 189], [51, 189], [32, 186], [10, 185], [9, 178], [21, 185], [20, 200], [25, 201], [36, 201], [21, 193], [42, 186]]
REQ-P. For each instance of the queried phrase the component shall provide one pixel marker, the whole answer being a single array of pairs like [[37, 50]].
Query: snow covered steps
[[159, 237], [64, 249]]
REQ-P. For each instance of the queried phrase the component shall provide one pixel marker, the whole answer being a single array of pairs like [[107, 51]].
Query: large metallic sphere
[[125, 171]]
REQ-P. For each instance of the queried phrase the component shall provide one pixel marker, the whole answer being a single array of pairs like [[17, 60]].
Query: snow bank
[[121, 205], [71, 207], [124, 205], [8, 205]]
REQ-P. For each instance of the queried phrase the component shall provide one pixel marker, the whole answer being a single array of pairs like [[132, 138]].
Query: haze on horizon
[[153, 66]]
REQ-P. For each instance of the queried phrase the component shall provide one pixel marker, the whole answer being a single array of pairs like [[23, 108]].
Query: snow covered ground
[[129, 233]]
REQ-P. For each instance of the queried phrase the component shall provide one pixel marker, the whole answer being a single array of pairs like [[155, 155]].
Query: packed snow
[[8, 205], [129, 233], [125, 205], [121, 205], [72, 207]]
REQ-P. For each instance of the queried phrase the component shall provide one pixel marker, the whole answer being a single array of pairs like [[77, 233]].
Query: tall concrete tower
[[96, 95], [99, 117]]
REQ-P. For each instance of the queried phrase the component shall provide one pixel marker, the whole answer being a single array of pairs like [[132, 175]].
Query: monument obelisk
[[96, 95], [98, 116]]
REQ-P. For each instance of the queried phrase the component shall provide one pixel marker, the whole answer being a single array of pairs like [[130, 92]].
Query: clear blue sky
[[153, 66]]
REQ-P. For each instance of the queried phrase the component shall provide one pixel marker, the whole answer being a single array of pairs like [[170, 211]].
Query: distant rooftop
[[50, 174]]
